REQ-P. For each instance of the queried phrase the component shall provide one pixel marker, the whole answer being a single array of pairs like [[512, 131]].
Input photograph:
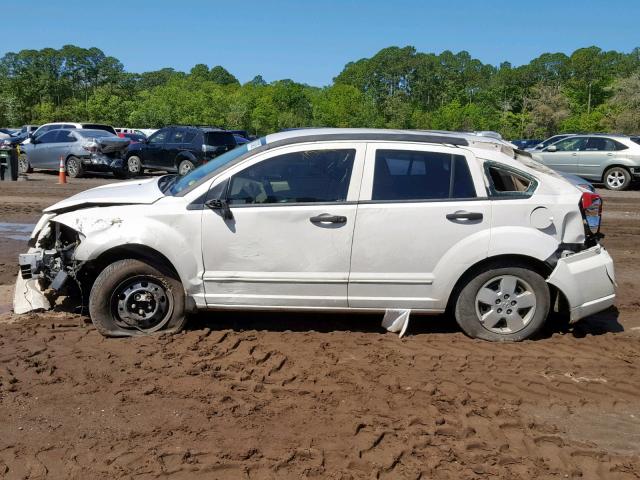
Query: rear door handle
[[328, 218], [464, 216]]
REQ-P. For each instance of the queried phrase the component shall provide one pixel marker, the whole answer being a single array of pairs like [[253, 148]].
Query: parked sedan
[[611, 159], [334, 219], [82, 150]]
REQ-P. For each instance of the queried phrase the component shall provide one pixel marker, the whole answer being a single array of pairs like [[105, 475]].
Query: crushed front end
[[48, 269]]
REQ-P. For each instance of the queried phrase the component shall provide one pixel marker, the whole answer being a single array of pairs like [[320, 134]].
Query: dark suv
[[178, 149]]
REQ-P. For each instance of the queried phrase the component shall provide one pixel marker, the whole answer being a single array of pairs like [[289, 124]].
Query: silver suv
[[611, 159]]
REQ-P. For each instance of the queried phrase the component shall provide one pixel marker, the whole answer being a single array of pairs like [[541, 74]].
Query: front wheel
[[131, 297], [503, 304], [23, 164], [617, 178]]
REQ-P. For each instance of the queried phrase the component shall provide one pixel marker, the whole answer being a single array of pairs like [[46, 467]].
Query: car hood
[[124, 193]]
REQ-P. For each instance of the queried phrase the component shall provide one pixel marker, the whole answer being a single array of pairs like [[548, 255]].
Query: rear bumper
[[98, 162], [587, 280]]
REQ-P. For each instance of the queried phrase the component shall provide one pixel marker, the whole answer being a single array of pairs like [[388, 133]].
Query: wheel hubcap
[[72, 167], [134, 165], [186, 168], [23, 164], [142, 304], [505, 304], [615, 179]]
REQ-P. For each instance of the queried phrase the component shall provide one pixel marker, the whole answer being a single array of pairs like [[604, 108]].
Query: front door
[[289, 241], [566, 155], [421, 207], [153, 152]]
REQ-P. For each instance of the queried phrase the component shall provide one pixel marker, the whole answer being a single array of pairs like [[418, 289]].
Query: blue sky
[[310, 41]]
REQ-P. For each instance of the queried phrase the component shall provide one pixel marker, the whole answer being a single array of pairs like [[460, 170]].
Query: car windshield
[[180, 184]]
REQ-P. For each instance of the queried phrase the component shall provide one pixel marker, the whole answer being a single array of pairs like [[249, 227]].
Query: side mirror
[[220, 205], [552, 148]]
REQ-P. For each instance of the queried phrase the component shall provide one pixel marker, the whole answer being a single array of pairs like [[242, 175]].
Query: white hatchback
[[334, 219]]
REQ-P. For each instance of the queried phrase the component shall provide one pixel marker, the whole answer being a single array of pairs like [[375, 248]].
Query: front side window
[[571, 144], [158, 137], [416, 175], [299, 177], [48, 137]]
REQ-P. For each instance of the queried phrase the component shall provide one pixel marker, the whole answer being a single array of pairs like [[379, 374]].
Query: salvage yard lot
[[292, 395]]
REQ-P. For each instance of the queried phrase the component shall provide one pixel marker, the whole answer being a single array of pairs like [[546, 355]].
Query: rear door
[[597, 154], [175, 143], [422, 209], [566, 156]]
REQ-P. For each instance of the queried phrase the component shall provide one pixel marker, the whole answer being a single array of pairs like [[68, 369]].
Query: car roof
[[375, 134]]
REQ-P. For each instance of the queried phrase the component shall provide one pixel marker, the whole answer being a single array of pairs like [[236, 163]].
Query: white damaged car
[[332, 219]]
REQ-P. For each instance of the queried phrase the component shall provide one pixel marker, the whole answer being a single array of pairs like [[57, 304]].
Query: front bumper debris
[[587, 280]]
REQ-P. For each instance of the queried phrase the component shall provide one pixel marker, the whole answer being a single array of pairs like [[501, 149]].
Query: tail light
[[91, 147], [591, 206]]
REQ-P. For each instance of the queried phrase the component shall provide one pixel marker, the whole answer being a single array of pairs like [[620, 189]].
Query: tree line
[[588, 91]]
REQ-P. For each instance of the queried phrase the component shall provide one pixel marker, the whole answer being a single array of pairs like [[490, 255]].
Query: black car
[[178, 149]]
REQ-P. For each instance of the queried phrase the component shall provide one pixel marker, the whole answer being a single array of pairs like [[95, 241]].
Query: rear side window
[[218, 139], [177, 136], [299, 177], [601, 144], [505, 182], [416, 175]]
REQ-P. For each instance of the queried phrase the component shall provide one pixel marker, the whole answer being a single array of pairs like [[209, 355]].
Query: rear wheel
[[131, 297], [134, 165], [617, 178], [74, 167], [503, 304]]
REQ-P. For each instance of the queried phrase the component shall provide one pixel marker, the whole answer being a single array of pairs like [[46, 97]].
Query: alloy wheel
[[616, 179], [505, 304]]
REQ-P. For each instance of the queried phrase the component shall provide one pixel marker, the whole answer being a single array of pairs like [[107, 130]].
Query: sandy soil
[[289, 396]]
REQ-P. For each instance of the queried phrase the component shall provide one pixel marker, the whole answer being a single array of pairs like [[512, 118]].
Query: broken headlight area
[[51, 259]]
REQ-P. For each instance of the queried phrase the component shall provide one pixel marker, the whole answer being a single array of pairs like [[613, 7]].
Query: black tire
[[74, 167], [467, 305], [185, 167], [23, 164], [616, 178], [121, 174], [113, 283], [134, 166]]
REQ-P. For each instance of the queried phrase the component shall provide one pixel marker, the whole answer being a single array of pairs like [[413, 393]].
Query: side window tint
[[159, 137], [177, 136], [505, 182], [618, 145], [189, 135], [571, 144], [416, 175], [48, 137], [309, 176]]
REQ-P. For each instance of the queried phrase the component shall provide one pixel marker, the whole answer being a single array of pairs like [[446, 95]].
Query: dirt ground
[[261, 396]]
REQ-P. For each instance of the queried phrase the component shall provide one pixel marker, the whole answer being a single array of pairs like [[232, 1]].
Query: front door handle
[[464, 216], [328, 218]]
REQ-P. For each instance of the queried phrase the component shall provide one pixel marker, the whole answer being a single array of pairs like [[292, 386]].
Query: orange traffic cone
[[62, 173]]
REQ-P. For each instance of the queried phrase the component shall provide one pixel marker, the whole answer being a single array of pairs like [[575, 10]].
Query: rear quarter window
[[506, 182]]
